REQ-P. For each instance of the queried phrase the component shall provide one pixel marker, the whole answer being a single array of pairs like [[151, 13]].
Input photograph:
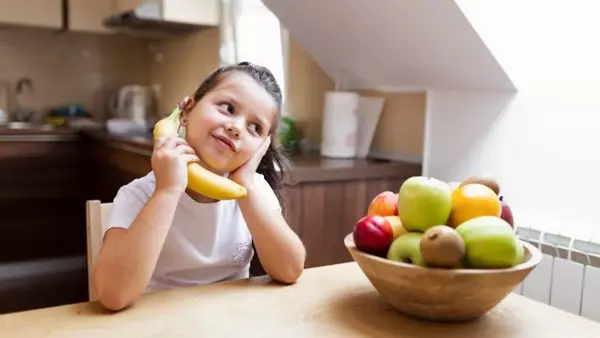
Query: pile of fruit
[[432, 223]]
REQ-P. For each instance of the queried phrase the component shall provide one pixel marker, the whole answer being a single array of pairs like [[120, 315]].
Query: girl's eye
[[256, 128], [226, 107]]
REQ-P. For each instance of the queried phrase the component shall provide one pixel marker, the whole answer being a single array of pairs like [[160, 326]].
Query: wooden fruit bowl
[[442, 294]]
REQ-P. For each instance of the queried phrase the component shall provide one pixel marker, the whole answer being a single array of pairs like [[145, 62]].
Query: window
[[251, 32]]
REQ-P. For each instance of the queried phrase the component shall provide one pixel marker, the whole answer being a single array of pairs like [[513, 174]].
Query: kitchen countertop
[[37, 134], [304, 167], [329, 301]]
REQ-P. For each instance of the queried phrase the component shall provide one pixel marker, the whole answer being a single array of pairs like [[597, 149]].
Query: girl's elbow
[[112, 297], [289, 278], [291, 274], [114, 301]]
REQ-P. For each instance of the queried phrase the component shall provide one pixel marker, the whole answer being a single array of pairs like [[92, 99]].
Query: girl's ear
[[186, 105], [183, 118]]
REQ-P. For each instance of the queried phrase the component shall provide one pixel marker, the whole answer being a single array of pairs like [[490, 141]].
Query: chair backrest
[[97, 214]]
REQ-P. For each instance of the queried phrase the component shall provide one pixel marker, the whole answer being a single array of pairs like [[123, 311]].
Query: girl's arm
[[279, 249], [128, 256]]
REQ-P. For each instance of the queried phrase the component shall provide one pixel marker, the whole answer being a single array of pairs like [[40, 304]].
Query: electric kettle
[[132, 102]]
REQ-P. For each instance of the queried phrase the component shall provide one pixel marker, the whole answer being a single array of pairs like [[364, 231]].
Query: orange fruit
[[473, 200], [384, 204]]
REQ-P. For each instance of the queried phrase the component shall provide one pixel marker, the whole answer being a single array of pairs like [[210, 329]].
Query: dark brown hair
[[274, 156]]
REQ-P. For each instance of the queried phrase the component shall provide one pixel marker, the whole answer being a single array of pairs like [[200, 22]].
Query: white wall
[[543, 141]]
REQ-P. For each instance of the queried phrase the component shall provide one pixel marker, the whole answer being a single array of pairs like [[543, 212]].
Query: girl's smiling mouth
[[225, 142]]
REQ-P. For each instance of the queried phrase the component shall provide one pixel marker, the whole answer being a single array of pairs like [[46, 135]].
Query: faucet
[[22, 114]]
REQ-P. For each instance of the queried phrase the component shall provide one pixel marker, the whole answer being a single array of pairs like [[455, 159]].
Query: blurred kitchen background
[[82, 83]]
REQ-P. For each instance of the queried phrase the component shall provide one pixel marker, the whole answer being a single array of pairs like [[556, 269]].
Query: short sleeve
[[127, 204], [266, 190]]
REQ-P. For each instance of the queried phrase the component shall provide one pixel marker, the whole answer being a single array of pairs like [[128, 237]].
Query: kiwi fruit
[[442, 246], [488, 181]]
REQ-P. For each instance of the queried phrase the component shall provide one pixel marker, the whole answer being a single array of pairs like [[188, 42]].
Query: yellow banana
[[200, 179]]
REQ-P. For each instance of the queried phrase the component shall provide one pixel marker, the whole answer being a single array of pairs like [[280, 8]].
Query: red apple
[[506, 214], [373, 234]]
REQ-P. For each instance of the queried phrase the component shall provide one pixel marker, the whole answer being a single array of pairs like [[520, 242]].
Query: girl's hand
[[169, 163], [244, 175]]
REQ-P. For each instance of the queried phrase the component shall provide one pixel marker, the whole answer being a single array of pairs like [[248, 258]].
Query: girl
[[163, 236]]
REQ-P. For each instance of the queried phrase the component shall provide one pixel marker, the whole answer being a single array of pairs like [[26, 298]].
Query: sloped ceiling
[[389, 44]]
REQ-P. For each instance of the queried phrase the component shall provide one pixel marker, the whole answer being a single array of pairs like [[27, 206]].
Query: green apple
[[407, 249], [424, 202], [520, 253], [490, 243]]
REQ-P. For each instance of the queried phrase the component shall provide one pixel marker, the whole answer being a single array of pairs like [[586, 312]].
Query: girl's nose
[[233, 130]]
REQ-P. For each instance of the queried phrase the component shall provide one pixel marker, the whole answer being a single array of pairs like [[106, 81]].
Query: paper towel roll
[[340, 125]]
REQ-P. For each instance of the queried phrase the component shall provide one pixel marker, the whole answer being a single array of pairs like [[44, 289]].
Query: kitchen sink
[[27, 126]]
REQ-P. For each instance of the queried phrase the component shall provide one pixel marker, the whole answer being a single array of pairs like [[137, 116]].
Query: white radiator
[[568, 276]]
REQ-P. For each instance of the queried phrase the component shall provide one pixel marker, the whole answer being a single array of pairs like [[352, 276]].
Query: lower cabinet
[[41, 204], [42, 224], [323, 213], [42, 200]]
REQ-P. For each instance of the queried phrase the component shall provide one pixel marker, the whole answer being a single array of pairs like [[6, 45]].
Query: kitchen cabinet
[[113, 164], [323, 213], [41, 201], [199, 12], [88, 16], [195, 12], [35, 13]]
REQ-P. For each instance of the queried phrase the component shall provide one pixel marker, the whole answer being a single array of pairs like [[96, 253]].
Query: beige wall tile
[[180, 64], [307, 86], [81, 67], [70, 67], [401, 126]]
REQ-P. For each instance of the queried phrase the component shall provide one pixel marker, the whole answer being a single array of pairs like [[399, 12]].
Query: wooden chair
[[97, 215]]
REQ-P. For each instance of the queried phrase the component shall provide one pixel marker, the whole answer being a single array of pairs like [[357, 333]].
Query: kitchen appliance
[[131, 109], [132, 102], [164, 17]]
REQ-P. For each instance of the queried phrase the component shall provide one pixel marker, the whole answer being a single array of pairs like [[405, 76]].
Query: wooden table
[[331, 301]]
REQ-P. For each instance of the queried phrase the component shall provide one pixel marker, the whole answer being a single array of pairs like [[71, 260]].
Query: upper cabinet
[[88, 16], [200, 12], [164, 17], [36, 13], [157, 17]]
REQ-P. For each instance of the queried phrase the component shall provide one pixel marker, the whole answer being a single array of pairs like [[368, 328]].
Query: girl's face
[[230, 123]]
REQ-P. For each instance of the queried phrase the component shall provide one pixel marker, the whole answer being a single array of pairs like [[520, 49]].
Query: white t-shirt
[[207, 242]]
